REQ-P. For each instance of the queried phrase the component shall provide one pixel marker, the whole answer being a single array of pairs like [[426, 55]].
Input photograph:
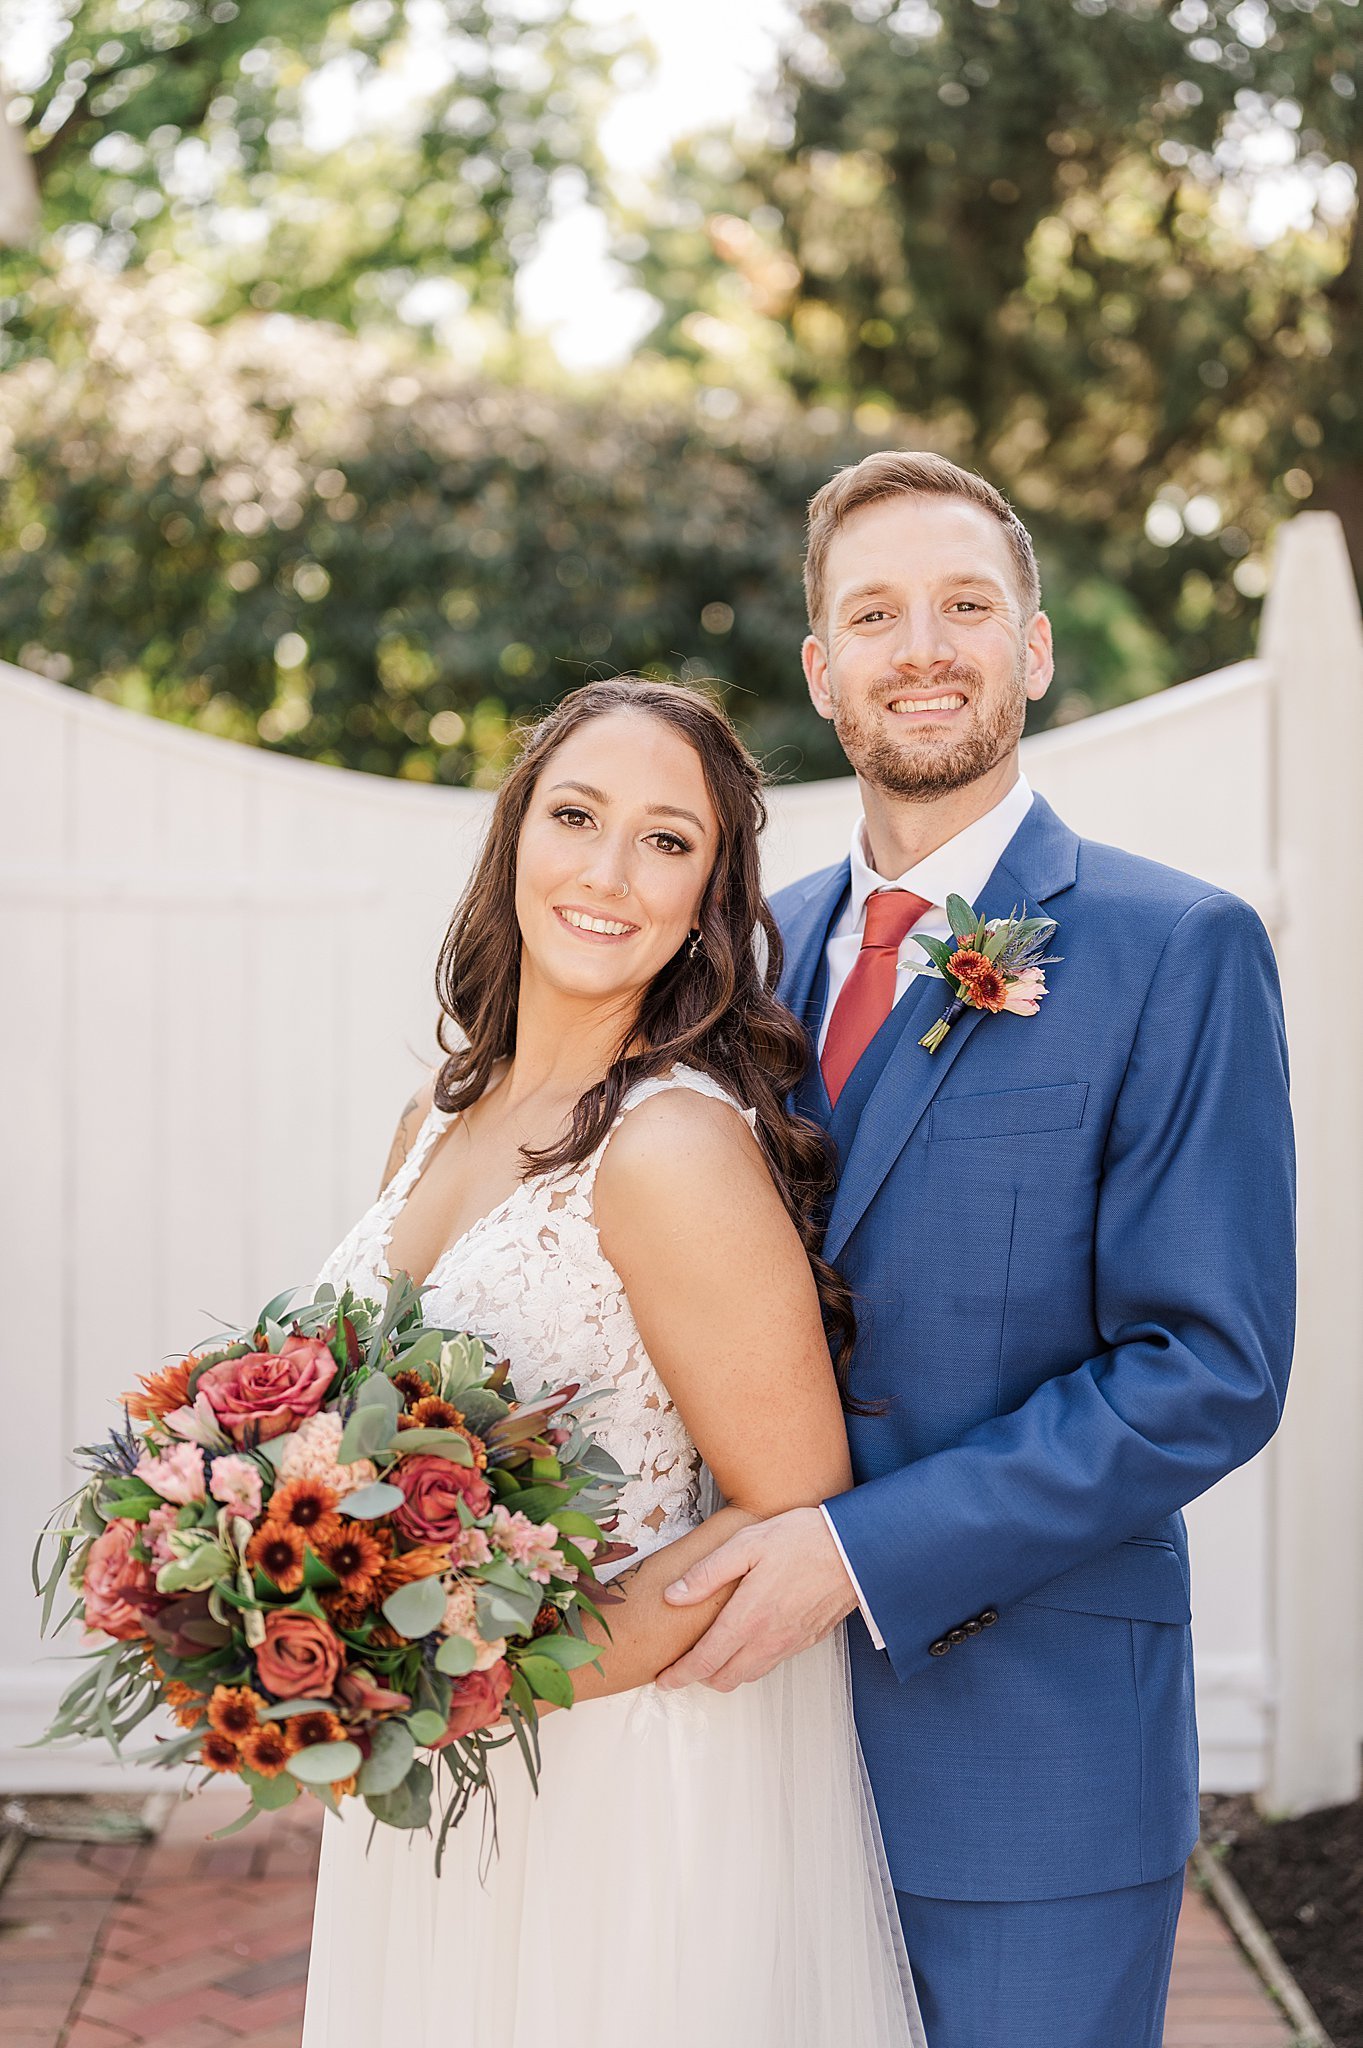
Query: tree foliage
[[1027, 232]]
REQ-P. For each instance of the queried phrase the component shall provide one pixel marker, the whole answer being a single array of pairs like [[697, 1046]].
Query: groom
[[1070, 1239]]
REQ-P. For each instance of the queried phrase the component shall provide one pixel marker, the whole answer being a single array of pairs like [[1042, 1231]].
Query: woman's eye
[[670, 842], [572, 815]]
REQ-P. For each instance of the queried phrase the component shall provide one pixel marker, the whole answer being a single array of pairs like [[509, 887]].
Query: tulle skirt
[[697, 1868]]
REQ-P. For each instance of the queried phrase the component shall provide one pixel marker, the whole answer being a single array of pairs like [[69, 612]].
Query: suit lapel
[[1039, 862], [804, 977]]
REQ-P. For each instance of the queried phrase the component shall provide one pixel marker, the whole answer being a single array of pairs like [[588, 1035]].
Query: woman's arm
[[722, 1292], [409, 1123]]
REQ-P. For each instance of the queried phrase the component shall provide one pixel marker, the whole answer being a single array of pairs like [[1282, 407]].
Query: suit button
[[973, 1628], [989, 1617], [956, 1635], [939, 1648]]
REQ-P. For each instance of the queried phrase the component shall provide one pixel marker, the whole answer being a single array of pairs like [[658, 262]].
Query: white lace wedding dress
[[697, 1868]]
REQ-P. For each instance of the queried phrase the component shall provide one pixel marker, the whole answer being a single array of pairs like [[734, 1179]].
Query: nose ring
[[623, 890]]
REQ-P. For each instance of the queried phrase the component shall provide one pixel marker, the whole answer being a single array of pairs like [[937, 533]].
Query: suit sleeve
[[1194, 1285]]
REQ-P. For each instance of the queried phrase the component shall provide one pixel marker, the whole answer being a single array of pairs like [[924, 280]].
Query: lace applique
[[532, 1279]]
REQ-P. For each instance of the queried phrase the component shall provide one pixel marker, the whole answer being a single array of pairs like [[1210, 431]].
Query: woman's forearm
[[646, 1635]]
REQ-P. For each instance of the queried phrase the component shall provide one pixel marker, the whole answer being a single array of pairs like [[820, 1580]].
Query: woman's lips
[[565, 913]]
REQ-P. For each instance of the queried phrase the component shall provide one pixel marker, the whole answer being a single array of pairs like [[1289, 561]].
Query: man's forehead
[[918, 536]]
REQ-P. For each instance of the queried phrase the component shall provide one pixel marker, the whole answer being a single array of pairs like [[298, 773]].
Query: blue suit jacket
[[1070, 1238]]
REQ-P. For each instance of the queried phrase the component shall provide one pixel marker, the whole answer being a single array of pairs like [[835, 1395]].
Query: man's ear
[[1040, 657], [815, 661]]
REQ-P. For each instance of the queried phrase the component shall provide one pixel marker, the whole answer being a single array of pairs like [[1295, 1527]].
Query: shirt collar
[[960, 866]]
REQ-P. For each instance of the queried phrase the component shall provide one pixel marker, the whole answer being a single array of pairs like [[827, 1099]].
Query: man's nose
[[923, 641]]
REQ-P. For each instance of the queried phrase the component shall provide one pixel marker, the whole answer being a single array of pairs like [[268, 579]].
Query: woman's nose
[[607, 872]]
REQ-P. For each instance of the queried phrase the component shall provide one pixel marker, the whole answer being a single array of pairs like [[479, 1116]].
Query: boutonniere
[[995, 964]]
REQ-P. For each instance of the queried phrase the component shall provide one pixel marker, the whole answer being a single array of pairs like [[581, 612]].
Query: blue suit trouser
[[1088, 1972]]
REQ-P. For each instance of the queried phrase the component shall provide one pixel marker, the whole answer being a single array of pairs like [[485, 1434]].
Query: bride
[[604, 1181]]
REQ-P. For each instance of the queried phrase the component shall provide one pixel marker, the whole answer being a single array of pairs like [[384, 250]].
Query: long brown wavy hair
[[716, 1011]]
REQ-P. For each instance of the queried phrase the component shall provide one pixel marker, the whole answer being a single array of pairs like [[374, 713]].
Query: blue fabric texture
[[1044, 1973], [1071, 1242]]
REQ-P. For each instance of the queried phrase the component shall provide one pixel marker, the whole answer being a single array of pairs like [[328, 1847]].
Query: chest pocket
[[1008, 1112]]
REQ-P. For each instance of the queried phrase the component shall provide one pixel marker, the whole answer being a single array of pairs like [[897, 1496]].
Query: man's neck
[[900, 831]]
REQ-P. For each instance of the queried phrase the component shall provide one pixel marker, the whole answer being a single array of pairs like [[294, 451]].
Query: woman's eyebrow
[[598, 796]]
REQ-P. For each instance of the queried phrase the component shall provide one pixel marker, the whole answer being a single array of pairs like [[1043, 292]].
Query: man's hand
[[794, 1588]]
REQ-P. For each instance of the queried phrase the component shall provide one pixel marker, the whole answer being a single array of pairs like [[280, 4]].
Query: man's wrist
[[877, 1638]]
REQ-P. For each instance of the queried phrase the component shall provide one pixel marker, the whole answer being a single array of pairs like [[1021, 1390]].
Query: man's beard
[[903, 768]]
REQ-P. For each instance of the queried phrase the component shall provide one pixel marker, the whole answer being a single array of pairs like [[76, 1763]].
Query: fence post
[[1312, 641]]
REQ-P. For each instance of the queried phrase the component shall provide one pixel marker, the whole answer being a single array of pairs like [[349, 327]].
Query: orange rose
[[300, 1657]]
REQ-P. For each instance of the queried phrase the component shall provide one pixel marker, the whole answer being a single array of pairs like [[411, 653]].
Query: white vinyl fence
[[217, 972]]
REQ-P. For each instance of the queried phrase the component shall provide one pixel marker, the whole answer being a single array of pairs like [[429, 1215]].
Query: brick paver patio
[[227, 1925]]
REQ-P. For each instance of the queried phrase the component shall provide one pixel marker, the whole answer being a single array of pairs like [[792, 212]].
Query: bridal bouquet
[[327, 1545]]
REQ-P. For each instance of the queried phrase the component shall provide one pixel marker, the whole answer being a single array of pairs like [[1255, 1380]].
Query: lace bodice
[[531, 1278]]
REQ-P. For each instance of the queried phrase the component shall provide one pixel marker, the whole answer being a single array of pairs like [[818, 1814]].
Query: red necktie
[[867, 996]]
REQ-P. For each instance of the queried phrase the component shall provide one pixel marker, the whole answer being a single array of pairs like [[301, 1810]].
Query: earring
[[697, 945]]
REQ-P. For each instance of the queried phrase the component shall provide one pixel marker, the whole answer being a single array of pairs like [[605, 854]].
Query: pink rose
[[476, 1702], [177, 1474], [299, 1658], [266, 1394], [119, 1589], [434, 1487]]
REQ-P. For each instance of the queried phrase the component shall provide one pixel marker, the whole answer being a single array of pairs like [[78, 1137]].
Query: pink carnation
[[470, 1547], [157, 1528], [177, 1474], [235, 1481], [311, 1454], [531, 1545], [461, 1619]]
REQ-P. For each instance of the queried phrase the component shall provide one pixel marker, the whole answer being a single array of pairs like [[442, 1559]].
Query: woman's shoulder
[[684, 1122]]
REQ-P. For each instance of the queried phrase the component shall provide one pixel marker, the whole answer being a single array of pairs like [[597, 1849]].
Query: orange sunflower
[[278, 1552], [319, 1724], [307, 1506], [268, 1748], [233, 1710], [219, 1752], [356, 1558]]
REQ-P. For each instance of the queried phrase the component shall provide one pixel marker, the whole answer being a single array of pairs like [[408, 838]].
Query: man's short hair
[[907, 473]]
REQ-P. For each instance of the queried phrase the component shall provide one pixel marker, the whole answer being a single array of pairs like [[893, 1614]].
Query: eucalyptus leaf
[[408, 1805], [416, 1608], [282, 1709], [571, 1652], [440, 1443], [426, 1726], [504, 1613], [456, 1656], [269, 1794], [323, 1762], [365, 1435], [391, 1753], [570, 1523], [369, 1501]]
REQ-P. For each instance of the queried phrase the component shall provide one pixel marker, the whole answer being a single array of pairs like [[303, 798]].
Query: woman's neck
[[563, 1045]]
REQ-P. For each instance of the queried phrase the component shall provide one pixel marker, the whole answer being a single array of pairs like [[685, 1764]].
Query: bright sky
[[712, 58]]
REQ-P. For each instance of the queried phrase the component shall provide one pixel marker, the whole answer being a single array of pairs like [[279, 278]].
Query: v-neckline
[[422, 1158]]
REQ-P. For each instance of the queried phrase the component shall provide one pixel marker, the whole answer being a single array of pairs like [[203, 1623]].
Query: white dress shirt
[[959, 867]]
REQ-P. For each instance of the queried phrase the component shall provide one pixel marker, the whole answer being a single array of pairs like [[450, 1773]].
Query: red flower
[[434, 1487], [476, 1701], [981, 982], [266, 1393]]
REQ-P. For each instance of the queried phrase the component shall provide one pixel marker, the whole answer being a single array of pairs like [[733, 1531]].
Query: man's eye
[[967, 604], [867, 618]]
